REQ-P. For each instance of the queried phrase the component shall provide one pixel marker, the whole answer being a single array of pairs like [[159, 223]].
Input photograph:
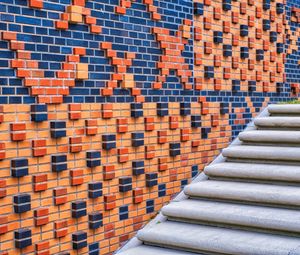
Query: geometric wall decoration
[[109, 108]]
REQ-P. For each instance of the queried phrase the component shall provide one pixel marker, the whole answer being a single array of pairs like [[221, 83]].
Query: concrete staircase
[[247, 202]]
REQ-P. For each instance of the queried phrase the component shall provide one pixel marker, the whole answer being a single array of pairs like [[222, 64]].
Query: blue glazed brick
[[58, 129], [94, 249], [224, 108], [138, 167], [195, 121], [95, 189], [95, 220], [266, 4], [109, 141], [279, 8], [39, 112], [22, 203], [93, 158], [78, 209], [279, 87], [226, 5], [218, 37], [123, 212], [185, 109], [266, 25], [162, 190], [162, 109], [273, 36], [150, 206], [137, 139], [183, 183], [280, 47], [151, 179], [244, 52], [22, 238], [59, 162], [244, 30], [79, 240], [195, 170], [236, 84], [209, 72], [227, 50], [19, 167], [251, 85], [259, 55], [125, 184], [136, 110], [174, 149], [198, 9]]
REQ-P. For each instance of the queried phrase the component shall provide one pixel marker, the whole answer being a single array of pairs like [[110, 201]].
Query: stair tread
[[284, 109], [152, 250], [271, 136], [235, 214], [278, 122], [245, 192], [218, 240], [269, 172], [263, 152]]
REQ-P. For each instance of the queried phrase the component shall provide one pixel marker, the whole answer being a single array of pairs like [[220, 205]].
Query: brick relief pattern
[[109, 108]]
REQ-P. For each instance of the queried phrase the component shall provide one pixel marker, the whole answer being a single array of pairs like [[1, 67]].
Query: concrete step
[[288, 196], [262, 153], [264, 172], [284, 109], [216, 240], [152, 250], [278, 122], [220, 213], [270, 136]]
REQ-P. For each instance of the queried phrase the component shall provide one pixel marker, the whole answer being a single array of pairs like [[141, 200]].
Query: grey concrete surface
[[263, 153], [254, 216], [277, 122], [251, 171], [243, 191], [200, 238], [270, 136]]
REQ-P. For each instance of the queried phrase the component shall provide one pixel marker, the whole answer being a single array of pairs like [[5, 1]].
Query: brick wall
[[109, 108]]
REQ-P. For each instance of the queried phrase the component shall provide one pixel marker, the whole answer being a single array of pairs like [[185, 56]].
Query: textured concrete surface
[[251, 171], [200, 211], [270, 136], [263, 153], [201, 238], [278, 122]]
